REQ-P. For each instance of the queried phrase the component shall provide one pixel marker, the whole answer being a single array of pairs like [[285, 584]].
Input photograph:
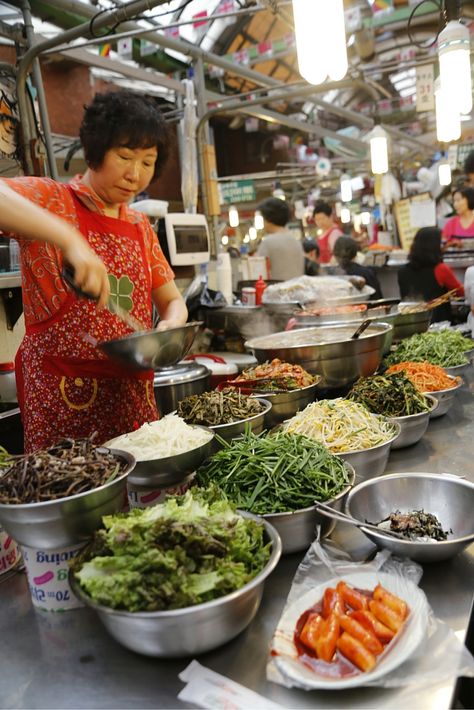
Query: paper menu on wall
[[413, 213]]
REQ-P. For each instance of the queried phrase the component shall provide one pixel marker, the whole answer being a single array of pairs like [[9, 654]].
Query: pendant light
[[252, 233], [346, 188], [325, 55], [345, 215], [378, 150], [258, 220], [233, 216], [448, 119], [444, 173], [455, 66]]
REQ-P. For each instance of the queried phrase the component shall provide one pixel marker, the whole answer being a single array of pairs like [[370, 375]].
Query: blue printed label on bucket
[[9, 552], [140, 497], [48, 572]]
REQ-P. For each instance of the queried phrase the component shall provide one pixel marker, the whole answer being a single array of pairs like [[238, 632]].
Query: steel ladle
[[344, 518]]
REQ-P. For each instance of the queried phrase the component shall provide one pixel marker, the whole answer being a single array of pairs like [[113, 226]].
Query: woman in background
[[345, 252], [461, 226], [426, 276]]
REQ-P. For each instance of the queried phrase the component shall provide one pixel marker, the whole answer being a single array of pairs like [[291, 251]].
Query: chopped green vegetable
[[275, 474], [189, 550], [446, 348], [391, 395]]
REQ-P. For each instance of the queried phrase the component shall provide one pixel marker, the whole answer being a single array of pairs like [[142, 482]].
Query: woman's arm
[[446, 278], [20, 216], [170, 305]]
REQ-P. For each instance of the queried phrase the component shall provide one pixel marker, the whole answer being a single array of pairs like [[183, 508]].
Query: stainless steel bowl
[[450, 498], [413, 426], [328, 351], [172, 470], [457, 370], [407, 324], [152, 349], [445, 398], [235, 429], [194, 629], [286, 404], [297, 529], [369, 463], [67, 521]]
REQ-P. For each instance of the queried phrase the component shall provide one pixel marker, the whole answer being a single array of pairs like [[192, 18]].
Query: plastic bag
[[323, 289], [198, 296], [435, 659]]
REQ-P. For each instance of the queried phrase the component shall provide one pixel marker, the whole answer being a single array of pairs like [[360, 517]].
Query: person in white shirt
[[284, 252]]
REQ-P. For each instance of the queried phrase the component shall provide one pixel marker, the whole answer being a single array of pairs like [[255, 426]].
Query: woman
[[460, 227], [425, 276], [345, 251], [323, 219], [66, 385]]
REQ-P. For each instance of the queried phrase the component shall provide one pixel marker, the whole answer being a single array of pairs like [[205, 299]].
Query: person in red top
[[322, 214], [461, 227], [426, 276], [66, 386]]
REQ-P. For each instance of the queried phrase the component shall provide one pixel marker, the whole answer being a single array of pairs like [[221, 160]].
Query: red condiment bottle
[[260, 287]]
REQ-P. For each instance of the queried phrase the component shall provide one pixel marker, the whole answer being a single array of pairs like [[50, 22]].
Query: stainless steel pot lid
[[180, 373]]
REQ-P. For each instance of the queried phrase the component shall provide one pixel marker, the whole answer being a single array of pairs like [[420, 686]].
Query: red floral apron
[[325, 252], [66, 386]]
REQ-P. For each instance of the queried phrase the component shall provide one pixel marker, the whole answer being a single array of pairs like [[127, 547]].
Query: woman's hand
[[90, 274], [170, 305]]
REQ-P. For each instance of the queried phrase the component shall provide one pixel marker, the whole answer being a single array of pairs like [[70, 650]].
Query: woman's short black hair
[[323, 207], [426, 248], [345, 250], [310, 245], [275, 211], [123, 119], [468, 193]]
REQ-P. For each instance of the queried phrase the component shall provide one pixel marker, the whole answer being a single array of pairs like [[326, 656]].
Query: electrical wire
[[410, 19]]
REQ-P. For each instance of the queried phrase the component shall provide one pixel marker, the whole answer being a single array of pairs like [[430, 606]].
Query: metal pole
[[111, 17], [38, 82]]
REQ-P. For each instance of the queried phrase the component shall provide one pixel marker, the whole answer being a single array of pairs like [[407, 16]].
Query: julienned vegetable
[[425, 376], [341, 425], [446, 348], [392, 395], [214, 408], [275, 474], [189, 550]]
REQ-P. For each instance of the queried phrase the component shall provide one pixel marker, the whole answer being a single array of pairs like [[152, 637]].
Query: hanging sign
[[425, 99], [238, 191], [147, 48], [125, 47]]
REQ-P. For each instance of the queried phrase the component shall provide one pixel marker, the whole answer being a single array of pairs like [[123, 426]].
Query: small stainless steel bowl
[[445, 398], [414, 426], [297, 529], [67, 521], [450, 498], [372, 462], [234, 429], [286, 404], [194, 629], [172, 470], [407, 324], [457, 370]]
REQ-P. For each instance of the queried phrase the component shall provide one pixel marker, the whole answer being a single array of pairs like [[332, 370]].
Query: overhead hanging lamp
[[327, 55], [444, 173], [258, 220], [455, 66], [378, 150], [448, 118], [233, 216], [345, 215], [346, 188]]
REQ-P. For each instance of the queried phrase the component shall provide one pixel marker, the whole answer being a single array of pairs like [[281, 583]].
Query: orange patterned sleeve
[[161, 271]]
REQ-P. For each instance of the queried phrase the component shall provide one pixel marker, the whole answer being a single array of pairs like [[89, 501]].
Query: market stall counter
[[68, 660]]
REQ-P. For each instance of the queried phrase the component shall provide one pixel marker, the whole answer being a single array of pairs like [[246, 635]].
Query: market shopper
[[323, 217], [426, 276], [66, 385], [469, 168], [311, 257], [345, 252], [461, 226], [283, 251]]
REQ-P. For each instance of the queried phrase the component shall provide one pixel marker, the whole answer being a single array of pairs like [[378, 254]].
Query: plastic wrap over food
[[423, 651], [320, 289]]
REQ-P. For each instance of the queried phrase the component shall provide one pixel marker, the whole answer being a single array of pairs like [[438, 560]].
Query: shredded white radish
[[158, 440]]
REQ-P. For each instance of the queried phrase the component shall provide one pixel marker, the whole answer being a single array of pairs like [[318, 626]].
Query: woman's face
[[460, 203], [124, 173]]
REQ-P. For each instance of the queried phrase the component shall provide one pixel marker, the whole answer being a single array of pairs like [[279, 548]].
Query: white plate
[[414, 630]]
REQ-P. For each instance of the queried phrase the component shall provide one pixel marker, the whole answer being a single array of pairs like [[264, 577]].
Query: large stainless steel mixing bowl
[[369, 463], [328, 351], [450, 498], [445, 398], [194, 629], [413, 426], [286, 404], [457, 370], [67, 521], [406, 324], [171, 470], [297, 530], [235, 429], [152, 349]]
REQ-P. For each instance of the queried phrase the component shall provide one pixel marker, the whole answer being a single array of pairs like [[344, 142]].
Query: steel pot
[[172, 384]]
